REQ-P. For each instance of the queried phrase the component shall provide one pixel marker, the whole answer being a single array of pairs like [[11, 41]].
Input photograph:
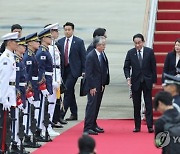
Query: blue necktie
[[101, 59]]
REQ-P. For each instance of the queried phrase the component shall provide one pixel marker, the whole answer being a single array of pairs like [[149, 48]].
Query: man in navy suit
[[97, 32], [97, 76], [141, 61], [73, 55]]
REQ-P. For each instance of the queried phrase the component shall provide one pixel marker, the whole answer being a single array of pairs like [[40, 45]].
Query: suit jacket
[[96, 77], [159, 126], [77, 56], [170, 64], [106, 76], [148, 70], [106, 63], [89, 48]]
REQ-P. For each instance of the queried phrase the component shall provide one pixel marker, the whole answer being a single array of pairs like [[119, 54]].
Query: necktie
[[66, 53], [140, 58], [101, 60]]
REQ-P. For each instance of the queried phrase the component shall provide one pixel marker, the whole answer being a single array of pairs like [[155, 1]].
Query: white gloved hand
[[45, 92], [56, 85], [30, 99], [21, 107], [6, 106]]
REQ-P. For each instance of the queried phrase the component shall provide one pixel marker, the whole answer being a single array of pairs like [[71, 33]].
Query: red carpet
[[117, 139]]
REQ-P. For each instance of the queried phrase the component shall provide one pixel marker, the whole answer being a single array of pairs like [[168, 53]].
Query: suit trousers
[[69, 94], [136, 95], [57, 111], [92, 110]]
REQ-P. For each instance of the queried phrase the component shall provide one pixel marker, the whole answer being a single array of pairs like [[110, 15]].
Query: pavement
[[122, 19]]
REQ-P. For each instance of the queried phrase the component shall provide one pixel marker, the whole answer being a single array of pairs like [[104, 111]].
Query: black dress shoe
[[62, 121], [150, 130], [91, 132], [39, 137], [29, 144], [57, 125], [99, 128], [15, 149], [135, 130], [71, 118]]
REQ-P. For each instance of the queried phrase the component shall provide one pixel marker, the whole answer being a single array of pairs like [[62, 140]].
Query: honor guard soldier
[[14, 28], [54, 51], [45, 65], [172, 85], [31, 63], [7, 88], [17, 113]]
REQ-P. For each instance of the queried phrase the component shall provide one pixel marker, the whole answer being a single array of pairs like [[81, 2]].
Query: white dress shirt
[[69, 45], [177, 58], [142, 50]]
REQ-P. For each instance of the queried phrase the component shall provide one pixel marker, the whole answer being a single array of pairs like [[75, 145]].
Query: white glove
[[6, 106], [56, 85], [45, 92], [21, 107], [30, 99]]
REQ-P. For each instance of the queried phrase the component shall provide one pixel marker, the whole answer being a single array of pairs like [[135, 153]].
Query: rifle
[[46, 120], [40, 110], [33, 126], [9, 132], [28, 116], [21, 133]]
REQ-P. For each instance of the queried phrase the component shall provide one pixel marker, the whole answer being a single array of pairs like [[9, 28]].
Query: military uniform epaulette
[[44, 48], [30, 53], [18, 58], [7, 54]]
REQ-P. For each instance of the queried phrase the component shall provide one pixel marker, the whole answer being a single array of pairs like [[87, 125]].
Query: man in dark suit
[[73, 55], [97, 76], [97, 32], [142, 78]]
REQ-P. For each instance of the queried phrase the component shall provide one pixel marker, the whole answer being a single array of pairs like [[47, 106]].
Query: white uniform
[[8, 91], [56, 77], [7, 75]]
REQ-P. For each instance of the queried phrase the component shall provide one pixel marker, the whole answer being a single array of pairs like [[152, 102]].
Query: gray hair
[[98, 40]]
